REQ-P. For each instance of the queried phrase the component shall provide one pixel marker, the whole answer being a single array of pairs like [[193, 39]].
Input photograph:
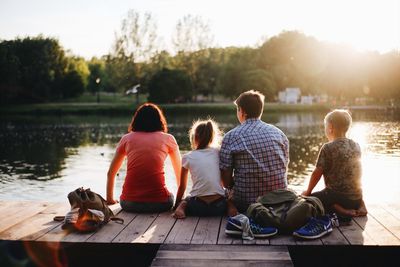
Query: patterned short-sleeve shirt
[[340, 161], [258, 153]]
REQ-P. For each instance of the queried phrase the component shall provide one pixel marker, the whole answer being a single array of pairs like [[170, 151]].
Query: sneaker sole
[[233, 232], [265, 235], [313, 237]]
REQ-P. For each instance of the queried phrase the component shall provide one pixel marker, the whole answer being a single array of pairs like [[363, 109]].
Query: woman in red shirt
[[146, 146]]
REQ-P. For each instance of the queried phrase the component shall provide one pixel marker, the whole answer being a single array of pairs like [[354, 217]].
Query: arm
[[227, 179], [315, 177], [112, 171], [175, 157], [182, 186]]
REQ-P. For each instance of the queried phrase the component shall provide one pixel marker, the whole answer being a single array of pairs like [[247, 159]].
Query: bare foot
[[362, 210], [344, 212], [231, 210], [349, 212], [180, 211]]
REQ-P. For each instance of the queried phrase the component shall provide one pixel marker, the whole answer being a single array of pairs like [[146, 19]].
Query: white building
[[307, 99], [289, 96]]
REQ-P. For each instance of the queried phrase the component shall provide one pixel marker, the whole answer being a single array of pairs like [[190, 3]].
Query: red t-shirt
[[146, 153]]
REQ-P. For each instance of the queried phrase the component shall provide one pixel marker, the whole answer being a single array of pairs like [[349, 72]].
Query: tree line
[[38, 69]]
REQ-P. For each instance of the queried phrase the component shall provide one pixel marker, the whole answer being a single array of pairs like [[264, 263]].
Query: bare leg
[[344, 212], [232, 210], [180, 210], [362, 210]]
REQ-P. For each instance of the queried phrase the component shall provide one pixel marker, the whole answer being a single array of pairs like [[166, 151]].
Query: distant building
[[321, 99], [307, 100], [289, 96]]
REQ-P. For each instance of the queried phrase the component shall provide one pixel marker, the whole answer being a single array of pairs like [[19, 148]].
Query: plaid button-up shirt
[[258, 153]]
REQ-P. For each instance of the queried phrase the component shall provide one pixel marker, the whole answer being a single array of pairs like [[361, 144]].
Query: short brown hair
[[340, 119], [148, 118], [251, 102]]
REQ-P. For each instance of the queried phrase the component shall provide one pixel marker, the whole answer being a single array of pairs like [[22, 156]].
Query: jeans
[[197, 207], [147, 207]]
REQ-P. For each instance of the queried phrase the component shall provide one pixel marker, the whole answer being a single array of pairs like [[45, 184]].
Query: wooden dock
[[196, 239]]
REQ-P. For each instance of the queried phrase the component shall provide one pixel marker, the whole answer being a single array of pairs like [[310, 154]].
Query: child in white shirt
[[207, 196]]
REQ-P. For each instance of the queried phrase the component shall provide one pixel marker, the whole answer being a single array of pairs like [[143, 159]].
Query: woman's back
[[146, 153]]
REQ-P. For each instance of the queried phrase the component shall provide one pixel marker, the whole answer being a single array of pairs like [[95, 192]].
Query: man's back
[[259, 155]]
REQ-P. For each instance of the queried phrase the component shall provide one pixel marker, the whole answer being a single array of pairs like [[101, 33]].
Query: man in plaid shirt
[[254, 156]]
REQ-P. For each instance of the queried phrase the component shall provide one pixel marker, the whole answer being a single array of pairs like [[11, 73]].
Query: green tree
[[233, 79], [98, 79], [38, 66], [169, 86], [120, 73]]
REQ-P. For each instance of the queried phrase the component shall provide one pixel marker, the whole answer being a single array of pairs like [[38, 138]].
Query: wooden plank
[[77, 237], [209, 247], [206, 231], [303, 242], [55, 235], [282, 239], [207, 263], [263, 241], [138, 226], [393, 209], [356, 235], [335, 238], [224, 239], [11, 206], [112, 229], [376, 231], [158, 230], [20, 213], [222, 255], [37, 225], [249, 242], [389, 221], [182, 231]]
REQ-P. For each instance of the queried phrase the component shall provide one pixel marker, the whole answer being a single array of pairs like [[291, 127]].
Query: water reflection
[[46, 157]]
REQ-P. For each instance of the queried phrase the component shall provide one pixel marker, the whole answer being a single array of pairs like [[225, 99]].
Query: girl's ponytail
[[204, 133]]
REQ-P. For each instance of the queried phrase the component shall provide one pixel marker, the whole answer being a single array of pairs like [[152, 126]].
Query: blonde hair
[[204, 133], [340, 119]]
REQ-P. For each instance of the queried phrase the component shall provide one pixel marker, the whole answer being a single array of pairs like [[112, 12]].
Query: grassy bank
[[127, 108]]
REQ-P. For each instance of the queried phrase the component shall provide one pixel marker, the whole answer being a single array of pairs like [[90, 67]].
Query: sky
[[87, 27]]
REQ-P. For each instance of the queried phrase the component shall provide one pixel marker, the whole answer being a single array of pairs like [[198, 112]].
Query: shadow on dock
[[27, 253], [34, 253]]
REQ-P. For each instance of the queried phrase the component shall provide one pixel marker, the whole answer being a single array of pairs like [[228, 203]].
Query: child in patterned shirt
[[339, 161]]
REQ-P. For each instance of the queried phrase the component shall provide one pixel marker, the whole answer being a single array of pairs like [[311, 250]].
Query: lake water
[[44, 158]]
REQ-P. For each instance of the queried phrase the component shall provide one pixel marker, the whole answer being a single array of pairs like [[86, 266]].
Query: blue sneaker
[[234, 227], [315, 228]]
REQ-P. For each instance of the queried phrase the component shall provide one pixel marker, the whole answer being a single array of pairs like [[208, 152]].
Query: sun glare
[[359, 133], [380, 171]]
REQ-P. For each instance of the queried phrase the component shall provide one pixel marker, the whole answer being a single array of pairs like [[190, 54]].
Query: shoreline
[[128, 109]]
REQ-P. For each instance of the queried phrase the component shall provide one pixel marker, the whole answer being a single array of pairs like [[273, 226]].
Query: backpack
[[89, 212], [285, 210]]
